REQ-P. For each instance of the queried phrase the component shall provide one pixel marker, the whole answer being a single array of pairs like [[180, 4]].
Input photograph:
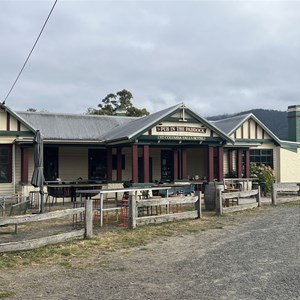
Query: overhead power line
[[30, 53]]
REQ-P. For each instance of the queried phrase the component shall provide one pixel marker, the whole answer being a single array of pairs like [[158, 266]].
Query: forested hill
[[275, 120]]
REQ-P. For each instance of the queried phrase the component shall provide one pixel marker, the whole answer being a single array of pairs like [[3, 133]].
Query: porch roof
[[101, 129], [72, 127]]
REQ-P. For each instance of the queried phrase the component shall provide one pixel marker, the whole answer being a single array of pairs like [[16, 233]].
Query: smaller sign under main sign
[[181, 138], [181, 129]]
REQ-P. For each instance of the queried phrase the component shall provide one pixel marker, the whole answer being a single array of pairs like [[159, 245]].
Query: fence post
[[198, 205], [132, 211], [258, 199], [101, 210], [88, 218], [219, 206], [274, 194]]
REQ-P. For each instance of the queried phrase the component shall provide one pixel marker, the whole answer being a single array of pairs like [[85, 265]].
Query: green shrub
[[264, 174]]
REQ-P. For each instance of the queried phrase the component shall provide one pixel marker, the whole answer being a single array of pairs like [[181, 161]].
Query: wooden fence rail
[[284, 187], [222, 198], [36, 243], [134, 205]]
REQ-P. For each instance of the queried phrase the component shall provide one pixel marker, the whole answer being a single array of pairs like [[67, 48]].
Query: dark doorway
[[97, 164], [51, 163], [167, 165]]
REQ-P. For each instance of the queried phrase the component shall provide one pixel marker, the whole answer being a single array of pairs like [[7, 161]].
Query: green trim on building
[[16, 133], [256, 140]]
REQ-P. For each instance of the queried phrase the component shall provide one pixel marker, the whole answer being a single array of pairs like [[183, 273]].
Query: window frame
[[262, 156], [7, 164]]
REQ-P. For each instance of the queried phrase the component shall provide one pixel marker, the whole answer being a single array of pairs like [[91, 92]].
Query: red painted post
[[210, 163], [221, 163], [175, 166], [135, 162], [247, 166], [240, 163], [24, 165], [146, 162], [183, 164]]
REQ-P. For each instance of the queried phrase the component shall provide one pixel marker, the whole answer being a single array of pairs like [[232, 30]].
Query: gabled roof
[[98, 128], [230, 125], [141, 125], [72, 127], [17, 117]]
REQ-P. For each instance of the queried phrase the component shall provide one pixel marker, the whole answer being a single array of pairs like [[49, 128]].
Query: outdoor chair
[[55, 192]]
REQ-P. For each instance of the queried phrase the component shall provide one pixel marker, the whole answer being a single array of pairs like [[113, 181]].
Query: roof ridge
[[73, 114], [233, 117]]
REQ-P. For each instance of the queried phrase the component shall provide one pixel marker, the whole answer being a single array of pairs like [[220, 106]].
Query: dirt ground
[[256, 256]]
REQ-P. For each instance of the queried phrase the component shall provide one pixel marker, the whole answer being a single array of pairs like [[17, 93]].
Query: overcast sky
[[215, 56]]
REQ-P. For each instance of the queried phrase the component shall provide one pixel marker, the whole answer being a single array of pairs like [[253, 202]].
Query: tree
[[32, 109], [119, 103]]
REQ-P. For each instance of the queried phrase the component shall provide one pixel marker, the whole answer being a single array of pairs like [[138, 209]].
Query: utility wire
[[30, 52]]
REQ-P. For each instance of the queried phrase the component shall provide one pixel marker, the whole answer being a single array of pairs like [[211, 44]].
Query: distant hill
[[275, 120]]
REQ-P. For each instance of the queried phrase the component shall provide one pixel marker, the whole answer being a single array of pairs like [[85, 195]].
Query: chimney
[[294, 123]]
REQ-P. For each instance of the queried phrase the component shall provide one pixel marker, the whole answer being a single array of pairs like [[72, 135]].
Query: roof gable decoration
[[250, 127], [11, 124], [180, 129], [177, 123]]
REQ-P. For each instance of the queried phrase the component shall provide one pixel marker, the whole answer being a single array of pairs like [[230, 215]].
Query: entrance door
[[167, 165]]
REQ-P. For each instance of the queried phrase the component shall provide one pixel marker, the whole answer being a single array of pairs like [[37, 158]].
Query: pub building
[[174, 145]]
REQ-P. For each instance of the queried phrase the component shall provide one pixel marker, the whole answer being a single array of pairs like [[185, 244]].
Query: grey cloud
[[218, 57]]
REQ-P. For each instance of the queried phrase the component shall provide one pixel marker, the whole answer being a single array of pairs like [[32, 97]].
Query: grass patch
[[290, 203], [80, 253], [5, 294]]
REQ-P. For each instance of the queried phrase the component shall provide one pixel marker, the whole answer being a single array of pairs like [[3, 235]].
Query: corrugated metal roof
[[94, 128], [55, 126], [139, 125], [230, 124]]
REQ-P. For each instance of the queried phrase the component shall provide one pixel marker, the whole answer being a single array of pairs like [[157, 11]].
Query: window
[[167, 167], [262, 156], [5, 164], [97, 164]]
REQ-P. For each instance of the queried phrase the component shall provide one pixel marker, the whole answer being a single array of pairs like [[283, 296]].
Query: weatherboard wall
[[73, 163], [289, 165], [250, 130], [197, 162]]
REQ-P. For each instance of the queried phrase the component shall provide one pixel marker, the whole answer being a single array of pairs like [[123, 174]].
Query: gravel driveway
[[259, 259]]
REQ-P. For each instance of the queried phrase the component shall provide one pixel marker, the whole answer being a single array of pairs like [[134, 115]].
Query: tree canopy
[[118, 104]]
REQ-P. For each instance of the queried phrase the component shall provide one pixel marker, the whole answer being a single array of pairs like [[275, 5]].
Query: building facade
[[172, 145]]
